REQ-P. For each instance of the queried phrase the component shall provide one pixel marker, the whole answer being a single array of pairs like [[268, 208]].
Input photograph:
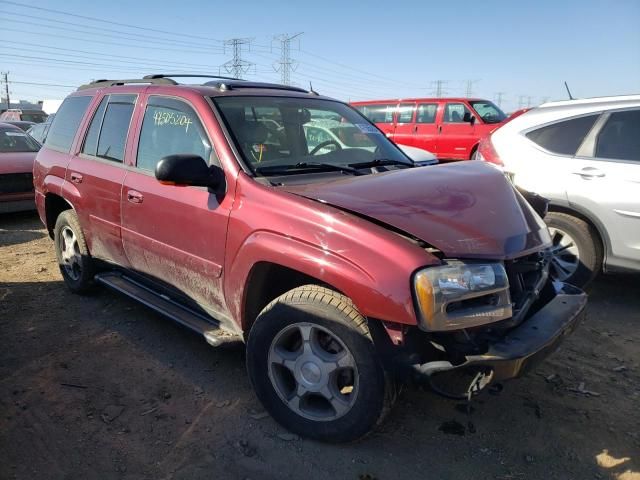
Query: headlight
[[461, 295]]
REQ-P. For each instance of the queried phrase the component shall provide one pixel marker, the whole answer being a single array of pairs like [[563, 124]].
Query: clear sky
[[352, 50]]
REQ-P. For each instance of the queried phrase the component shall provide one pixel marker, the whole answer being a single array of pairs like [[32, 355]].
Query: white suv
[[584, 156]]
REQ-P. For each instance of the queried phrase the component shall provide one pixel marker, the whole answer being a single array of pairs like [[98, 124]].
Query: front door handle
[[76, 177], [590, 172], [134, 197], [439, 128], [415, 129]]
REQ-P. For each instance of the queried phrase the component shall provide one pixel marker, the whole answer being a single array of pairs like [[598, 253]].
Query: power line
[[146, 38], [131, 37], [237, 66], [498, 97], [41, 84], [101, 42], [99, 54], [94, 19], [137, 62], [286, 65]]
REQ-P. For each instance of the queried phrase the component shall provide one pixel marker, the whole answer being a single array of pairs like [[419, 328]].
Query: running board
[[198, 322]]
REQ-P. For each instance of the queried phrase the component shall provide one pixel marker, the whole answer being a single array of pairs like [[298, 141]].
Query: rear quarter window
[[563, 137], [66, 122]]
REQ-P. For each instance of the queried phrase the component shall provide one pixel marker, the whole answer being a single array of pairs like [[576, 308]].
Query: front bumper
[[524, 346]]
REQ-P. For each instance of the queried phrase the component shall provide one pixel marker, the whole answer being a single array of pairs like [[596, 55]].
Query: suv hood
[[465, 209]]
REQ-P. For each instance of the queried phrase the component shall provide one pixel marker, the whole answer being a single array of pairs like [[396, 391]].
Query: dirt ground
[[100, 387]]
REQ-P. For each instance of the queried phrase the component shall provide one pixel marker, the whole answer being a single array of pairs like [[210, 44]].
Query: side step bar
[[201, 323]]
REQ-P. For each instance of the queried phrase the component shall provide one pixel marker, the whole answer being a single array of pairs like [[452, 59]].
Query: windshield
[[489, 112], [33, 117], [16, 141], [273, 132]]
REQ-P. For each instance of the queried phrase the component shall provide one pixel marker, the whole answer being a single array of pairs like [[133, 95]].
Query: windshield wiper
[[379, 162], [294, 168]]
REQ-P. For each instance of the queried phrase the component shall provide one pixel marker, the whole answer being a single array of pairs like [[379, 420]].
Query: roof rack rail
[[247, 84], [188, 75], [111, 83]]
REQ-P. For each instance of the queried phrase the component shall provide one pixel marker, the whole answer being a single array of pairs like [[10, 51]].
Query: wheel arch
[[588, 218], [54, 205]]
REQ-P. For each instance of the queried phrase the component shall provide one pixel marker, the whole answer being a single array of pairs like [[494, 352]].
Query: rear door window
[[66, 122], [170, 127], [563, 137], [620, 137], [382, 113], [405, 112], [91, 140], [115, 126], [426, 113]]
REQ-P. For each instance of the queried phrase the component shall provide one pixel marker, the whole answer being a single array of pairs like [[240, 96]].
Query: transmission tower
[[6, 88], [438, 88], [521, 101], [499, 96], [469, 88], [237, 67], [286, 65]]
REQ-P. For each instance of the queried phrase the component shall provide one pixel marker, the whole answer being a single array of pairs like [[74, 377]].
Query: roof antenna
[[311, 90], [568, 91]]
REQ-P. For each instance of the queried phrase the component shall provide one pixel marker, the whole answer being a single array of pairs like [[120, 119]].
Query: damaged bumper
[[524, 346]]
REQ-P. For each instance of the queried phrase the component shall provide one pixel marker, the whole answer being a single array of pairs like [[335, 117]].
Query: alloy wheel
[[313, 372], [70, 253], [566, 256]]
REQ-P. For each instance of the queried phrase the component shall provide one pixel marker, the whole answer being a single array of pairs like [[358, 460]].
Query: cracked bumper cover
[[526, 345]]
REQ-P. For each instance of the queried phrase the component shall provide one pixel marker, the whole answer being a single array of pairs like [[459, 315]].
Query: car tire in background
[[72, 253], [313, 365], [577, 249]]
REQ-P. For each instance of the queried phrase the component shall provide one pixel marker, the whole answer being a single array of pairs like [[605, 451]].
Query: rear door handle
[[76, 177], [590, 172], [134, 197], [439, 128]]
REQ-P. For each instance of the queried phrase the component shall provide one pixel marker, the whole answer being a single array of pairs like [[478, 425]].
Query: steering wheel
[[324, 144]]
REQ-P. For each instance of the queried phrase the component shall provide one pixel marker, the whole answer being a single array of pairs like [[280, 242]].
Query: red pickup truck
[[450, 128], [344, 268]]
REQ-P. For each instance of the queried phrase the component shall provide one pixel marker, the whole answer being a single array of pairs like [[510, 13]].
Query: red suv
[[450, 128], [343, 268]]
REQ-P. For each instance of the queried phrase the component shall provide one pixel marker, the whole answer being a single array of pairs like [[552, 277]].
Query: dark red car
[[17, 153], [343, 268], [450, 128]]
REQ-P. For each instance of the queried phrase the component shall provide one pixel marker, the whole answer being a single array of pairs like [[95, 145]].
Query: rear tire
[[577, 249], [72, 253], [313, 365]]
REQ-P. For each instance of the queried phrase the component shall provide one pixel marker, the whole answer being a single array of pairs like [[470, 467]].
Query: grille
[[527, 276], [16, 183]]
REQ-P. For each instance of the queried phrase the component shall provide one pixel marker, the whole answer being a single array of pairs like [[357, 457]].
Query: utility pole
[[439, 89], [286, 65], [529, 99], [6, 88], [498, 97], [237, 66], [469, 89]]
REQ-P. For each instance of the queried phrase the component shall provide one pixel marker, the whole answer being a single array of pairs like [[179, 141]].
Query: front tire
[[577, 250], [313, 365], [72, 253]]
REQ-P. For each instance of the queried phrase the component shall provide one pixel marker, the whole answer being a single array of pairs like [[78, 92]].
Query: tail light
[[487, 153]]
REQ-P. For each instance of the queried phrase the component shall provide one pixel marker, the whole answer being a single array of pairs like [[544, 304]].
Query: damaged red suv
[[343, 268]]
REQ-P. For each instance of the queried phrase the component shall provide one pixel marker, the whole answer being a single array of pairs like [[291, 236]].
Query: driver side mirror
[[469, 118], [187, 169]]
